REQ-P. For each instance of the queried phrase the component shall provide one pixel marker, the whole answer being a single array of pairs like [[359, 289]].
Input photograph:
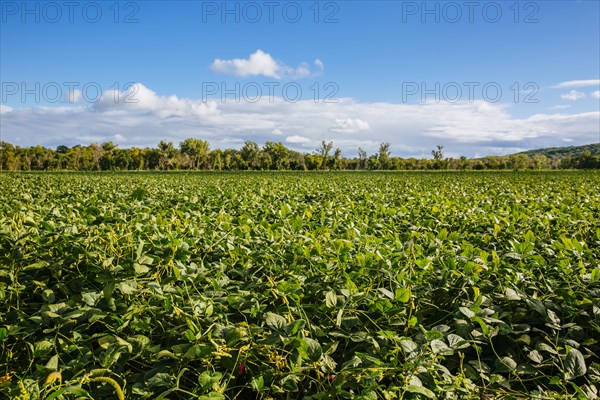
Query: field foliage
[[300, 285]]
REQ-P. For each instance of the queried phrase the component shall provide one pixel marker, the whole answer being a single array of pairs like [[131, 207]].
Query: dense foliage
[[572, 152], [195, 154], [290, 285]]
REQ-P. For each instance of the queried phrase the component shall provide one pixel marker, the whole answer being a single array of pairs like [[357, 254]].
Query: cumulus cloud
[[595, 94], [74, 96], [261, 63], [573, 95], [138, 98], [577, 84], [297, 139], [349, 125], [412, 129]]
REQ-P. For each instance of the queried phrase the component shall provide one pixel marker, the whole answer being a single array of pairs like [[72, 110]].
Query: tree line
[[196, 154]]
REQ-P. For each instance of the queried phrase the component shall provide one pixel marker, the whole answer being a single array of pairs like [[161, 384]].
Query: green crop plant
[[282, 285]]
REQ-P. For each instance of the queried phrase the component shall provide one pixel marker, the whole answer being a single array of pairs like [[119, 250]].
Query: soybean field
[[281, 285]]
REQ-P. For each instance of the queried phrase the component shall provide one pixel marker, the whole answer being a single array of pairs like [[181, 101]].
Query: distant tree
[[216, 159], [384, 155], [195, 153], [540, 161], [122, 159], [250, 153], [196, 149], [373, 163], [167, 152], [463, 164], [109, 147], [137, 158], [362, 158], [279, 155], [7, 156], [587, 161], [336, 160], [519, 161], [438, 157], [297, 161], [324, 151], [107, 162], [152, 158]]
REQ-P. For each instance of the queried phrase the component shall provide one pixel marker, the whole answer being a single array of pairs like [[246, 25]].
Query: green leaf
[[42, 348], [140, 269], [386, 292], [535, 356], [127, 287], [53, 363], [420, 390], [506, 363], [48, 295], [457, 342], [466, 312], [275, 321], [403, 295], [258, 383], [511, 294], [330, 299], [289, 383], [408, 346], [208, 379], [295, 326], [439, 347], [312, 349], [484, 328], [537, 306], [574, 364], [74, 390]]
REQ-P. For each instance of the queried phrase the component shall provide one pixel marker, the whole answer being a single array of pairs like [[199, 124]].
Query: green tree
[[216, 159], [167, 152], [384, 155], [438, 157], [197, 150], [362, 159], [250, 153], [324, 151], [279, 155]]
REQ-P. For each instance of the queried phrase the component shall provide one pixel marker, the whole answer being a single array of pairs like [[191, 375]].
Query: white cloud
[[573, 95], [263, 64], [259, 63], [577, 84], [297, 139], [595, 94], [139, 98], [412, 129], [349, 125], [5, 109]]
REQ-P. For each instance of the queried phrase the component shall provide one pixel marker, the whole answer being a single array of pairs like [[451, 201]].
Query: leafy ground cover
[[315, 286]]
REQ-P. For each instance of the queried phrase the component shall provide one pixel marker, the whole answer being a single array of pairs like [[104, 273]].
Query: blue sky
[[479, 77]]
